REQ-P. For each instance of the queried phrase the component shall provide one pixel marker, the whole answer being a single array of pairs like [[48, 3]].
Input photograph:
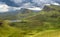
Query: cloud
[[36, 5], [43, 1], [35, 8], [14, 8], [17, 1], [34, 1], [38, 2], [5, 8], [55, 3]]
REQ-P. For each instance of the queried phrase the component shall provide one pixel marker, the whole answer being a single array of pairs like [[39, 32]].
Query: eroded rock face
[[47, 8], [1, 23]]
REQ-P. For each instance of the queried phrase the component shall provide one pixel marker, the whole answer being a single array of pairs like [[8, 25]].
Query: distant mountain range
[[24, 13], [18, 14]]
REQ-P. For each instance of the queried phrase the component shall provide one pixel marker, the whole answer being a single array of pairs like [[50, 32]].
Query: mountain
[[42, 24], [16, 15], [8, 15], [24, 13], [48, 11]]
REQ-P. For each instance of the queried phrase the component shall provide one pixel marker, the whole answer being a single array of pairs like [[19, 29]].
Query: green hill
[[41, 24], [51, 33]]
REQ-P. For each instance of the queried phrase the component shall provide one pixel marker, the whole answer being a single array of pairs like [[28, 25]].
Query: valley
[[45, 23]]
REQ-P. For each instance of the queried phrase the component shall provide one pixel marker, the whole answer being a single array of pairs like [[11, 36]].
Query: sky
[[11, 5]]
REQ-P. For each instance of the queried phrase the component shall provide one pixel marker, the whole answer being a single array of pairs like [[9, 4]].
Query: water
[[15, 20]]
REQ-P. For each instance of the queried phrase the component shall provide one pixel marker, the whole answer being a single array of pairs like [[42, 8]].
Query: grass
[[42, 24], [49, 33]]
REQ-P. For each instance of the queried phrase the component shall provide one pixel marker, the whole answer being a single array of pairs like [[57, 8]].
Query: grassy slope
[[51, 19], [32, 26], [7, 31], [49, 33], [45, 20]]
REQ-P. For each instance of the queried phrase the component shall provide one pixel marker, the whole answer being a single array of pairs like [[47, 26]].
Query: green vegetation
[[51, 33], [42, 24]]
